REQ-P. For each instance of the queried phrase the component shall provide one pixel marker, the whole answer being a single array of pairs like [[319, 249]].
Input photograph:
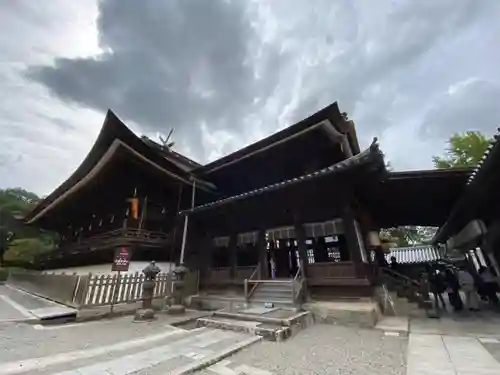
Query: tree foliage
[[20, 243], [464, 150], [407, 235]]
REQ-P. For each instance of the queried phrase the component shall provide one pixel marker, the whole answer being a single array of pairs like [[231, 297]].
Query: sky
[[226, 73]]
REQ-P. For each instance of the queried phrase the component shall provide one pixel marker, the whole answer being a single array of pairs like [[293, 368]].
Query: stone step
[[273, 324], [173, 351], [275, 286], [269, 331], [276, 301], [273, 293]]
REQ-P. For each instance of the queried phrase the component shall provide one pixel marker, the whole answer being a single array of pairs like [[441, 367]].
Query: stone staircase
[[407, 298], [272, 324], [275, 292], [272, 309]]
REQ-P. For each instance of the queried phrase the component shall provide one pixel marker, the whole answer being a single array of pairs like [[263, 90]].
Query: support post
[[300, 232], [350, 234], [262, 251], [233, 247], [186, 219]]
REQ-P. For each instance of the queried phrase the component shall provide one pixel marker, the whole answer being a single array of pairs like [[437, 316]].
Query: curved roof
[[415, 254], [415, 197], [329, 119], [113, 136], [370, 155], [479, 188]]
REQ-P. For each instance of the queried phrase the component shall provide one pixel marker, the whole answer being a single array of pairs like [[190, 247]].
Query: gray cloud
[[469, 105], [174, 63], [226, 73]]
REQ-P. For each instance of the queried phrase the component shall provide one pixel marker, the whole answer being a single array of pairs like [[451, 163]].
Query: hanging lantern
[[134, 207], [373, 239]]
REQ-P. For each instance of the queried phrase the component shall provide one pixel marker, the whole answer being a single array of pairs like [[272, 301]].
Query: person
[[489, 285], [273, 267], [452, 288], [394, 264], [467, 284], [436, 282]]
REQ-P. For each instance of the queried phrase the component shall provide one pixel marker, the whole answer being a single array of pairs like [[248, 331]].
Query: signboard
[[121, 260]]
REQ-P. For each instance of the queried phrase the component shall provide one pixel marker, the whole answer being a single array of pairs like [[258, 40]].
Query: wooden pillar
[[233, 248], [350, 234], [300, 232], [205, 255], [262, 251]]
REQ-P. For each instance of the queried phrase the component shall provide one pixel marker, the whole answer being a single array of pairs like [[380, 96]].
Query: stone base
[[176, 309], [364, 314], [143, 315]]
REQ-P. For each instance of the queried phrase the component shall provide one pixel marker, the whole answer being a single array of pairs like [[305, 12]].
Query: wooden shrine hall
[[304, 203]]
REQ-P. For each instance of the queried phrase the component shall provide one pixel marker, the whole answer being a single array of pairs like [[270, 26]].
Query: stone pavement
[[168, 351], [449, 355], [456, 344]]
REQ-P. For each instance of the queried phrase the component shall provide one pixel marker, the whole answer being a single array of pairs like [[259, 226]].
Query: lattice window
[[248, 238], [221, 241], [284, 233], [327, 228], [310, 256], [333, 253]]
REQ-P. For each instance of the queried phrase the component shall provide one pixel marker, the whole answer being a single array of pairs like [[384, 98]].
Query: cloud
[[226, 73]]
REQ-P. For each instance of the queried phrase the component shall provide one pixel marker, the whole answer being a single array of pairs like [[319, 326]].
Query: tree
[[13, 233], [465, 150], [23, 251]]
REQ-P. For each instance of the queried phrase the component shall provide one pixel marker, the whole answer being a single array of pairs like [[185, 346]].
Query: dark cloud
[[168, 63], [242, 69]]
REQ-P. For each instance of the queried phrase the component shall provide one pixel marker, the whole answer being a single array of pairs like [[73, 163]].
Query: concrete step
[[270, 332], [274, 300], [273, 324], [168, 352], [275, 286], [271, 294]]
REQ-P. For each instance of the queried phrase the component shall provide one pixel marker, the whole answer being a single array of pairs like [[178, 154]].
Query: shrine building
[[306, 200]]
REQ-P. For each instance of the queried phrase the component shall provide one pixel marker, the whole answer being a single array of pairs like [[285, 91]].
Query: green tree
[[464, 150], [23, 251], [19, 243]]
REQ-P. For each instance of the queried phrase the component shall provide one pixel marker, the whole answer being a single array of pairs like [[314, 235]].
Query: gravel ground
[[328, 349]]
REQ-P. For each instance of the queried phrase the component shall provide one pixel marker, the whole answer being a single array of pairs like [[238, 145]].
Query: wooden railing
[[254, 277], [110, 289], [127, 236]]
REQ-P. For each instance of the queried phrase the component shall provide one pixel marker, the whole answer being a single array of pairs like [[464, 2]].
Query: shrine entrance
[[286, 257]]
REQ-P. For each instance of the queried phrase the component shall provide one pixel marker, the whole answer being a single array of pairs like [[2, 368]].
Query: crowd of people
[[458, 283]]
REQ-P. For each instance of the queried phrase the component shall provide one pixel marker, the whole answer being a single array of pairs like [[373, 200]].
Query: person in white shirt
[[467, 284]]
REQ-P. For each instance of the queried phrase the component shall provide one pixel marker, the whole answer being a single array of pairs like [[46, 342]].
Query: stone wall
[[59, 288]]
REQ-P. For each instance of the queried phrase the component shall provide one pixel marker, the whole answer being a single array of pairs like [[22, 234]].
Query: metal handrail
[[398, 275], [414, 286], [250, 280], [297, 285], [297, 274]]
